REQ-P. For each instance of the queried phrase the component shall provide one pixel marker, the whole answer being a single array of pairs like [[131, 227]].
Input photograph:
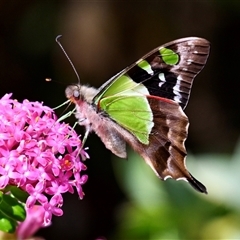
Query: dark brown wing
[[166, 153]]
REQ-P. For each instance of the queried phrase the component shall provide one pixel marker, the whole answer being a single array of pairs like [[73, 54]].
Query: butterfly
[[142, 106]]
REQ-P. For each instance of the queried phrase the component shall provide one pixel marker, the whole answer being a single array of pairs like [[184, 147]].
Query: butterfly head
[[77, 92], [72, 92]]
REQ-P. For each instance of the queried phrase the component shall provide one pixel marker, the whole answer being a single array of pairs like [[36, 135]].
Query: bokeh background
[[124, 199]]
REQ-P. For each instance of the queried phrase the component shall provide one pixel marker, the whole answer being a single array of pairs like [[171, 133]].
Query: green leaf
[[12, 208], [138, 182], [7, 224], [169, 56], [18, 193]]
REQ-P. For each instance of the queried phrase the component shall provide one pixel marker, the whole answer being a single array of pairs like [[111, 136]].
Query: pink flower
[[32, 223], [39, 155]]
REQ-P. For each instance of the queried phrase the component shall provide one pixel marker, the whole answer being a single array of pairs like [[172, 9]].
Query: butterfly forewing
[[169, 79], [169, 70]]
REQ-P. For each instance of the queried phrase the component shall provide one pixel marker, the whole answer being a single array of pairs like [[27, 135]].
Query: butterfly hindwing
[[166, 153]]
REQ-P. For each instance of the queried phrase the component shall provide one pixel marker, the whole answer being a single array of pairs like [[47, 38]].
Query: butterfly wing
[[152, 92], [166, 153], [167, 71], [126, 103], [165, 133]]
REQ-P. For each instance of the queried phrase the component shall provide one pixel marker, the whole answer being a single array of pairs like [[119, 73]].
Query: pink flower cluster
[[39, 155]]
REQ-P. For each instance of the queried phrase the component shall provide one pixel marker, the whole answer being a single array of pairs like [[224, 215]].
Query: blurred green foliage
[[12, 212], [172, 209]]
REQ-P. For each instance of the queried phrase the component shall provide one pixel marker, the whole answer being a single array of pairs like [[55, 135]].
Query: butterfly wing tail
[[196, 184], [166, 153]]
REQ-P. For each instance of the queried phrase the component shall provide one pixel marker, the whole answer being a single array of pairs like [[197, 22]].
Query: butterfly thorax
[[82, 97], [88, 115]]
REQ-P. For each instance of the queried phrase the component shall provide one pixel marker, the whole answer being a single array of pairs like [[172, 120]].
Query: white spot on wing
[[162, 78], [189, 61], [160, 84], [179, 77], [168, 176], [177, 96], [182, 178], [176, 90]]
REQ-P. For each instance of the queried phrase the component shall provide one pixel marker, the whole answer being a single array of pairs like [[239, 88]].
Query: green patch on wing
[[145, 66], [169, 56], [120, 85], [126, 103]]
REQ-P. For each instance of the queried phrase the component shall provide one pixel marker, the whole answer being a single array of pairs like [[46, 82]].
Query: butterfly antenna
[[68, 58]]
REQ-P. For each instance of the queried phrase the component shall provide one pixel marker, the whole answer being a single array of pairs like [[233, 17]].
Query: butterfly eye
[[76, 93], [72, 92]]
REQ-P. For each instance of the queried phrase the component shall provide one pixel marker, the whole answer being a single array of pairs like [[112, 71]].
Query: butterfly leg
[[85, 137], [83, 141]]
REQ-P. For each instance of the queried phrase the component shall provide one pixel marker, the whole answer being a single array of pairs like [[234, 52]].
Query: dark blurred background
[[102, 38]]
